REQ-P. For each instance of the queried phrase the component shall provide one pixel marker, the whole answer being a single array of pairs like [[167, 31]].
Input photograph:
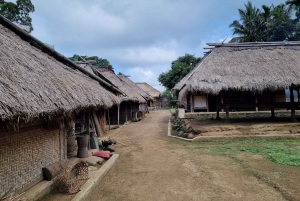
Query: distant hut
[[155, 102], [243, 76], [143, 108], [130, 103], [41, 92]]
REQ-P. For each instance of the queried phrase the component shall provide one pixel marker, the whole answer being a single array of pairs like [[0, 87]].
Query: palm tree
[[294, 5], [252, 24]]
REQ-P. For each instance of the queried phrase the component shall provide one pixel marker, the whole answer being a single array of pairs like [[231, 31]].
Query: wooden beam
[[108, 119], [272, 108]]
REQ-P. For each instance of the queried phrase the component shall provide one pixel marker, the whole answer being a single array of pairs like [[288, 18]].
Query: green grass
[[286, 152]]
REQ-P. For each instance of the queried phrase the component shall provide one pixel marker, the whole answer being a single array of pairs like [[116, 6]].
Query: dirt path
[[154, 167]]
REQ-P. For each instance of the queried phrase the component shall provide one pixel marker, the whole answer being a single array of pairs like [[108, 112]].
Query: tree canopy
[[18, 12], [268, 23], [179, 68], [99, 61]]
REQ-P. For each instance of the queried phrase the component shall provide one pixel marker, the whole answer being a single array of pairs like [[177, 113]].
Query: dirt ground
[[153, 166]]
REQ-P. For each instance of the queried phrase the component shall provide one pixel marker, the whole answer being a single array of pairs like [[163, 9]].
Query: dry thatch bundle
[[254, 67], [33, 83], [109, 75], [149, 89]]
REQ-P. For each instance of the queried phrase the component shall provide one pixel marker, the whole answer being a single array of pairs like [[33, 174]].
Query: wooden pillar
[[108, 119], [293, 115], [227, 114], [88, 118], [227, 108], [222, 101], [218, 113], [126, 119], [191, 103], [207, 106], [119, 115], [272, 107], [256, 101]]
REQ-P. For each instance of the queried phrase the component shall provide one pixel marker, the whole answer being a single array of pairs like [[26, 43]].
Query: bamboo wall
[[23, 154]]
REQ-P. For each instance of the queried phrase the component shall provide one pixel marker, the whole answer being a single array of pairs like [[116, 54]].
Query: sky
[[139, 38]]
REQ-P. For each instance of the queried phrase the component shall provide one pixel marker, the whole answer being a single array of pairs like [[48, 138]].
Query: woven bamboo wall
[[22, 156]]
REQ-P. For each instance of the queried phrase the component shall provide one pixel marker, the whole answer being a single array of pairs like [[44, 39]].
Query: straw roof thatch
[[34, 83], [149, 89], [244, 66], [135, 87], [109, 75]]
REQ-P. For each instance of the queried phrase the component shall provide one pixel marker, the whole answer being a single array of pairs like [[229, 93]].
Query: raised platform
[[244, 114]]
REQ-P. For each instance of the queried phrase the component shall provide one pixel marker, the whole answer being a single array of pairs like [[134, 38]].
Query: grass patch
[[286, 152]]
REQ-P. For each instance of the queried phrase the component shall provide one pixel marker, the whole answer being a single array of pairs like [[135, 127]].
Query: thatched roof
[[149, 89], [245, 66], [145, 95], [35, 83], [109, 75]]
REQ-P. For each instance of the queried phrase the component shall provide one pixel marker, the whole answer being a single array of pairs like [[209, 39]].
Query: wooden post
[[119, 115], [227, 108], [222, 101], [108, 119], [227, 113], [207, 106], [126, 119], [256, 101], [97, 125], [88, 127], [192, 102], [218, 113], [272, 108], [293, 115]]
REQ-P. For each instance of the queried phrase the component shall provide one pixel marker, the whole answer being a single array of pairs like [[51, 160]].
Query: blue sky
[[140, 38]]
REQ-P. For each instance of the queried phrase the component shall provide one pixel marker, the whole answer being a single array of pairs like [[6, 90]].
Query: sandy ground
[[153, 166]]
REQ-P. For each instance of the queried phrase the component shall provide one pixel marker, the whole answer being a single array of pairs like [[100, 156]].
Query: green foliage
[[179, 68], [286, 152], [18, 12], [272, 23], [99, 61], [177, 125]]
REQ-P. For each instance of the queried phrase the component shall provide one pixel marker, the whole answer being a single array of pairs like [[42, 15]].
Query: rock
[[180, 133], [293, 131], [190, 136], [184, 135], [110, 148], [189, 129]]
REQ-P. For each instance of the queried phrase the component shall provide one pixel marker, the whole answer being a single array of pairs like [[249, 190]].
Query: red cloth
[[102, 154]]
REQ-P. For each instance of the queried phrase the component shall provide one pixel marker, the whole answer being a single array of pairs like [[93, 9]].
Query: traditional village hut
[[40, 93], [143, 108], [155, 102], [243, 76], [130, 104]]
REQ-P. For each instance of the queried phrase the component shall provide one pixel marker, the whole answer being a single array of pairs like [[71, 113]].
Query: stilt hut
[[40, 93], [243, 77], [155, 102]]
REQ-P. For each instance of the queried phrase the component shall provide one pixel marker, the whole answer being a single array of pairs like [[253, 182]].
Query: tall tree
[[250, 29], [99, 61], [18, 12], [179, 68]]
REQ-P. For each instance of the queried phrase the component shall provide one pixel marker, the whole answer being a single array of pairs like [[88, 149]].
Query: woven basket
[[82, 143]]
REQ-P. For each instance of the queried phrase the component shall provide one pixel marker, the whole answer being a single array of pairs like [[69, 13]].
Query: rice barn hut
[[155, 102], [41, 91], [243, 77], [129, 107]]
